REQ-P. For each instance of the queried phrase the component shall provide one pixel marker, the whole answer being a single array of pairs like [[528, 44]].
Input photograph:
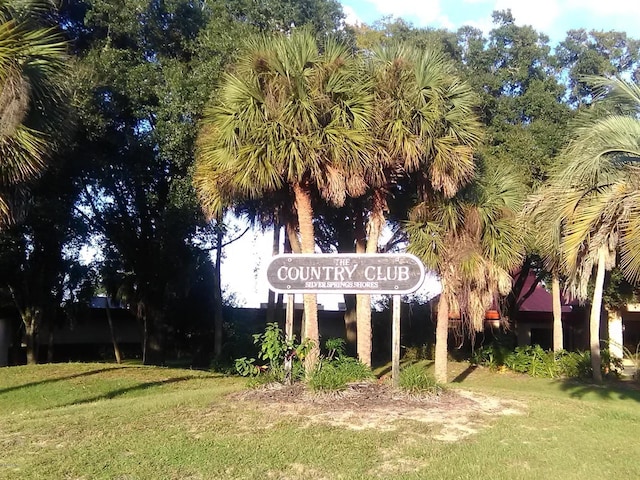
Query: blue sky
[[553, 17]]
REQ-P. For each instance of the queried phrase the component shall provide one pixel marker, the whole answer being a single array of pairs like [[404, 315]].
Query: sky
[[244, 266], [553, 17], [243, 270]]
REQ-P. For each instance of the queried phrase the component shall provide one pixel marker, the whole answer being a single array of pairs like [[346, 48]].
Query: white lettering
[[369, 273]]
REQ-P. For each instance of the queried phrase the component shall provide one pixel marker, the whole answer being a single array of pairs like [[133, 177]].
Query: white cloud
[[425, 12], [626, 8], [350, 16]]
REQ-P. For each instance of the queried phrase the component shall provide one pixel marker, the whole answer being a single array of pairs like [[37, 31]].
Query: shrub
[[334, 375], [536, 362], [417, 353], [490, 356], [574, 364], [415, 379]]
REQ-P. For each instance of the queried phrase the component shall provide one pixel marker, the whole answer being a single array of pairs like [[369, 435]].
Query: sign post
[[393, 274], [395, 342], [288, 332]]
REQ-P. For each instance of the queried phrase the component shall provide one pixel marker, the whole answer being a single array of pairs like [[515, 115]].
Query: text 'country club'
[[341, 273]]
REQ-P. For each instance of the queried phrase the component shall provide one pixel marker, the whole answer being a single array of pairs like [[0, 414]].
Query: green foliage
[[274, 349], [336, 348], [540, 363], [492, 356], [334, 375], [273, 346], [419, 352], [533, 360], [246, 367], [415, 379]]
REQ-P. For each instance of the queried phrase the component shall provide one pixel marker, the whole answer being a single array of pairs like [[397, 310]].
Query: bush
[[490, 356], [575, 364], [417, 353], [415, 379], [536, 362], [334, 375]]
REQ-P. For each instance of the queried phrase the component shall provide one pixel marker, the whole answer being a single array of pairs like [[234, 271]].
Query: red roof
[[540, 300]]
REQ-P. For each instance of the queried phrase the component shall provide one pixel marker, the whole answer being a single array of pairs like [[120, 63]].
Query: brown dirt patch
[[456, 414]]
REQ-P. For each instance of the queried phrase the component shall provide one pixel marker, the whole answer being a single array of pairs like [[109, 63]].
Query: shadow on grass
[[123, 391], [464, 374], [610, 390], [59, 379]]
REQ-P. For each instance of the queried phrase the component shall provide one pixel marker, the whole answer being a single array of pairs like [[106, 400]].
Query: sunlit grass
[[105, 421]]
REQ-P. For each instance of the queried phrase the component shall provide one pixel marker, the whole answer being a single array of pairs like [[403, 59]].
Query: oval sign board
[[345, 273]]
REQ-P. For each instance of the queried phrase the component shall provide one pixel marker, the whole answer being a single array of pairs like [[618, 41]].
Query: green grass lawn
[[92, 421]]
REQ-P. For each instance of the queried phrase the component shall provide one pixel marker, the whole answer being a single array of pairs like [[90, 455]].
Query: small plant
[[279, 354], [336, 348], [415, 379], [335, 375], [246, 367], [417, 353], [336, 370]]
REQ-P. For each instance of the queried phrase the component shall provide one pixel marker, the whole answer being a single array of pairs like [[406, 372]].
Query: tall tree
[[472, 241], [595, 194], [426, 131], [290, 115], [143, 75]]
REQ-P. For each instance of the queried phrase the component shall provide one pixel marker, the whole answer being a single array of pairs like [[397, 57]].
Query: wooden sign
[[345, 273]]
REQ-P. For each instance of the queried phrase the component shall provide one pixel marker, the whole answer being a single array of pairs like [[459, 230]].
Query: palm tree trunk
[[363, 307], [594, 320], [442, 338], [557, 313], [307, 243]]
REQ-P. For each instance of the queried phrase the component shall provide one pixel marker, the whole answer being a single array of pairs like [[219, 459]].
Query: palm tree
[[292, 115], [472, 242], [545, 234], [595, 195], [426, 129], [32, 58]]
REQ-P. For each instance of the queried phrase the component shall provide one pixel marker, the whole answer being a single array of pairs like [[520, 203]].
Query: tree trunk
[[30, 338], [5, 341], [271, 299], [112, 331], [218, 314], [351, 323], [363, 307], [153, 351], [442, 338], [557, 313], [307, 243], [594, 320], [50, 345], [348, 239]]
